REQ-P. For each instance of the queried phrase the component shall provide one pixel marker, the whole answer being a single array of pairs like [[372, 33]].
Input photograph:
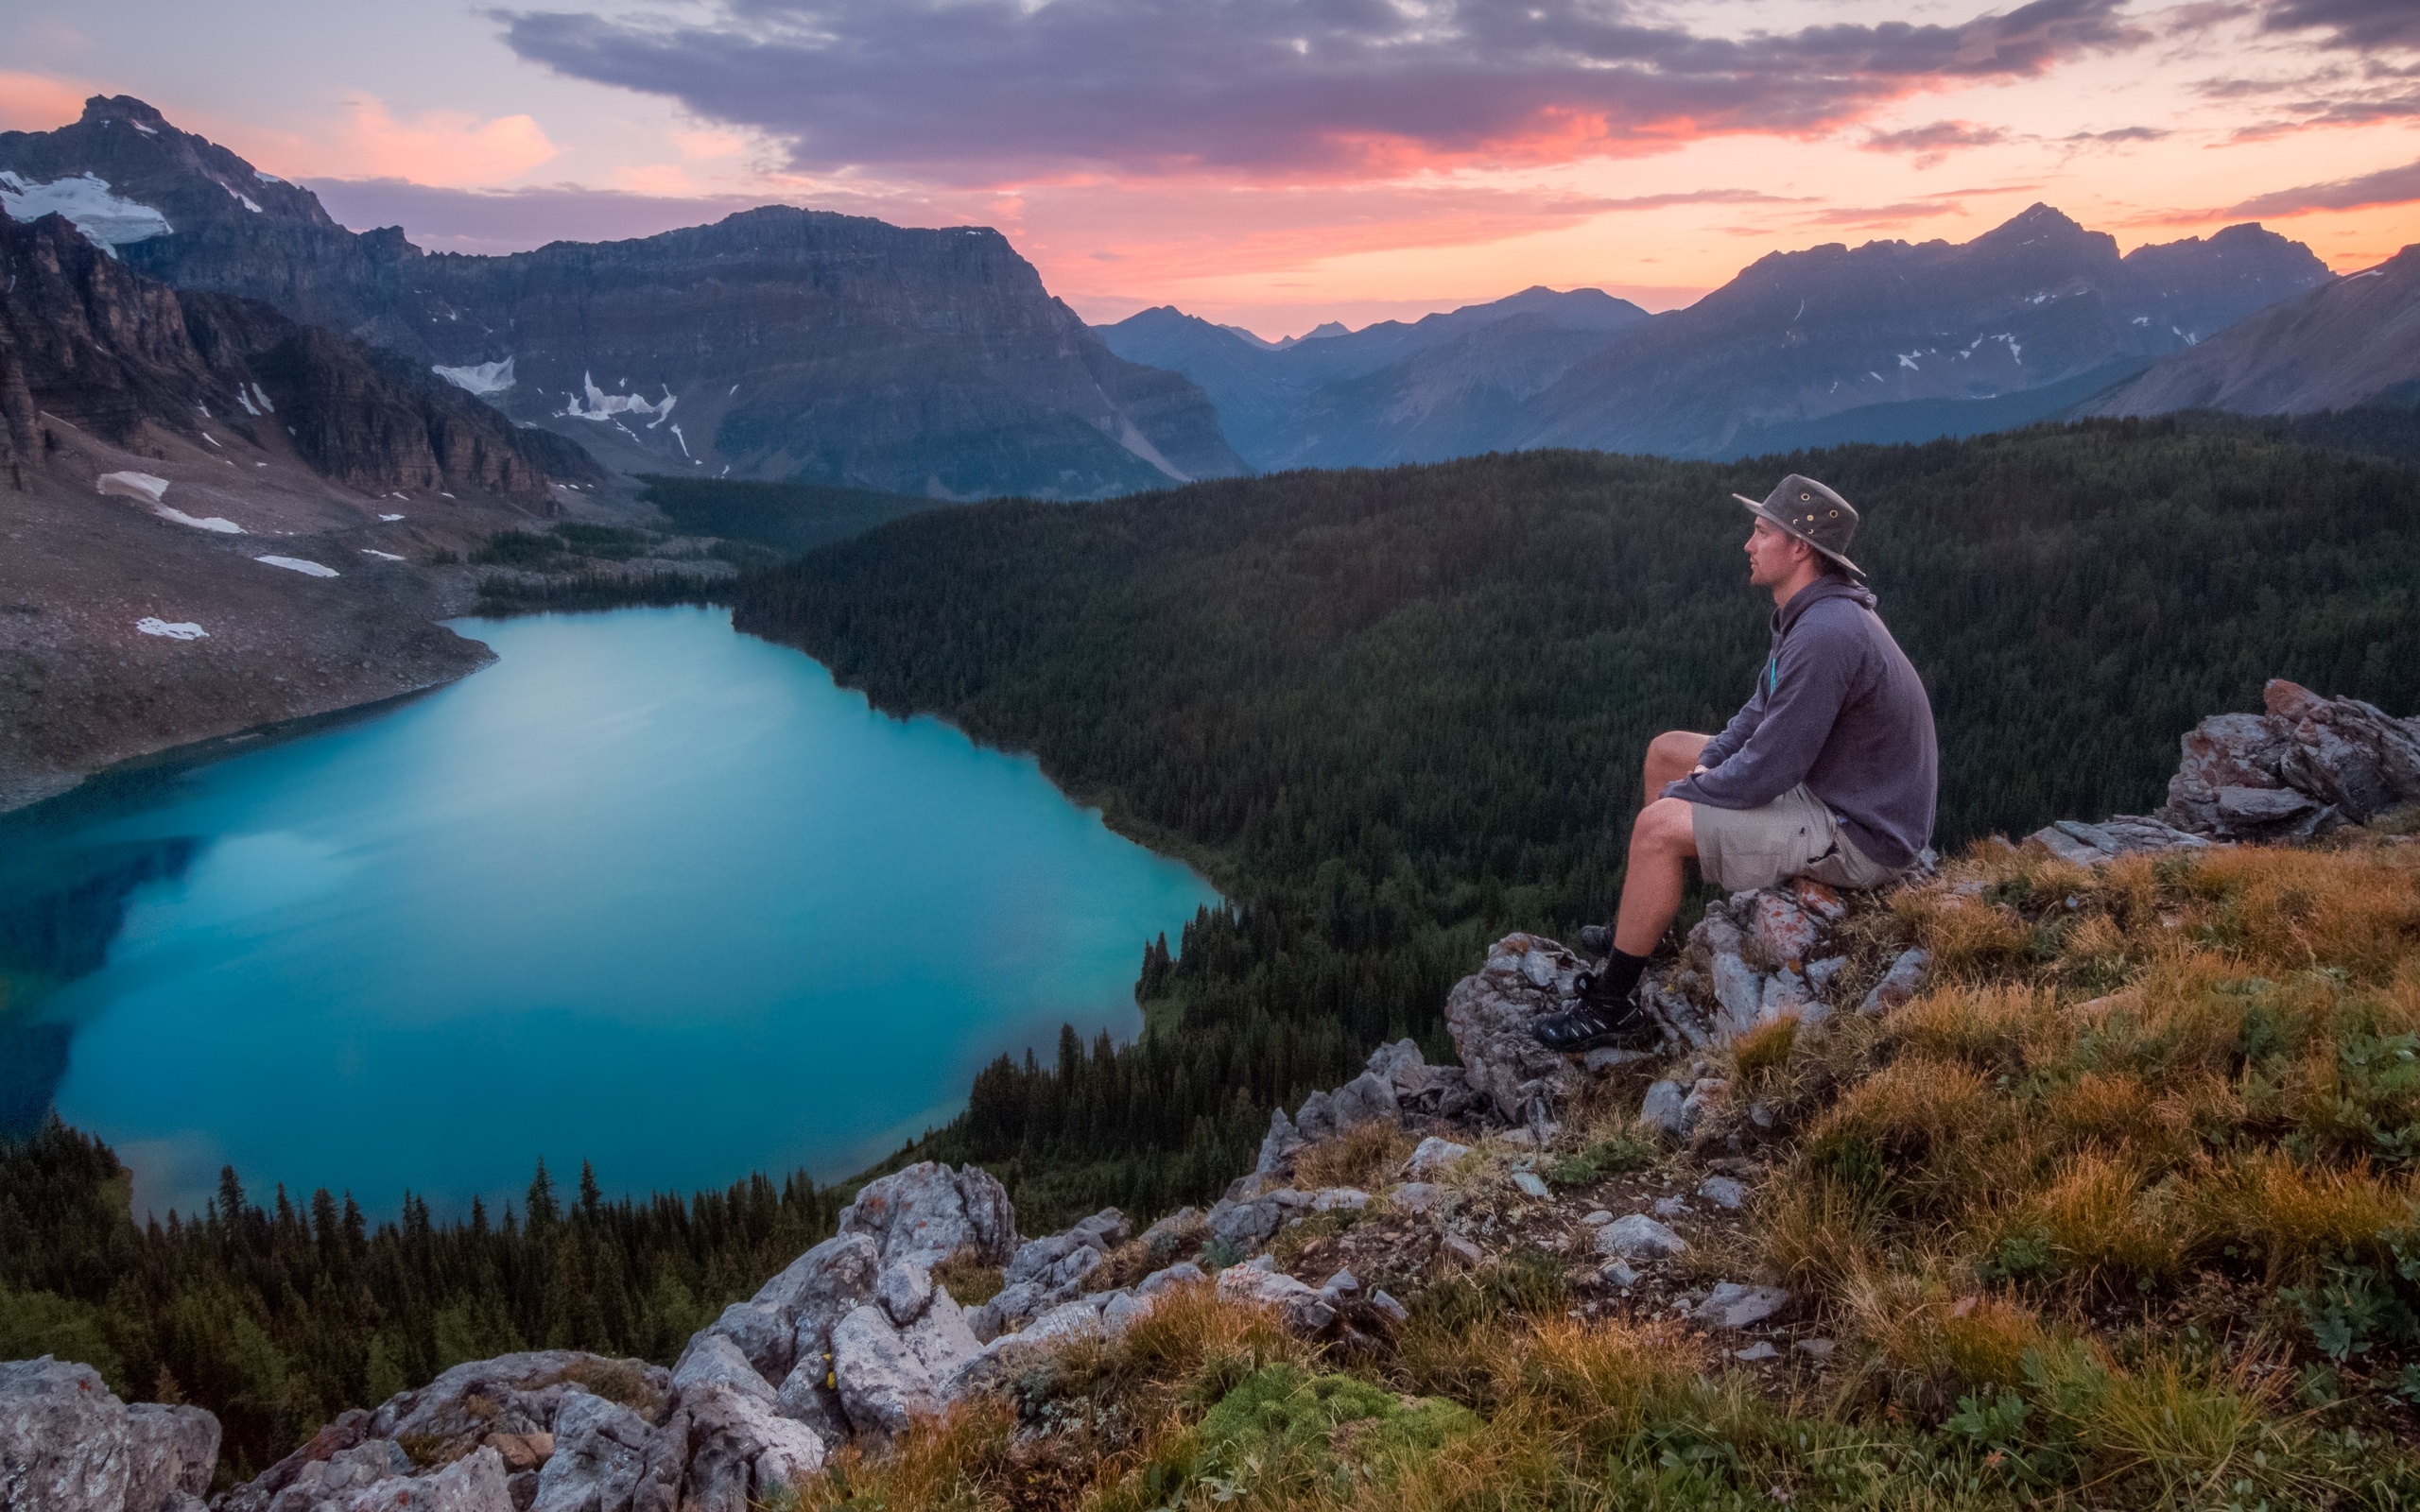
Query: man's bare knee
[[1664, 827]]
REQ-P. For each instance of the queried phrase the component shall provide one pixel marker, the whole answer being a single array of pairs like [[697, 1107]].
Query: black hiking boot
[[1595, 1022]]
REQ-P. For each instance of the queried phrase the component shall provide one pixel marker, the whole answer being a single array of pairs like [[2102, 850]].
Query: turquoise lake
[[645, 892]]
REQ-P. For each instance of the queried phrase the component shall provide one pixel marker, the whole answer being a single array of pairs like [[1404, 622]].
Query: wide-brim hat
[[1813, 513]]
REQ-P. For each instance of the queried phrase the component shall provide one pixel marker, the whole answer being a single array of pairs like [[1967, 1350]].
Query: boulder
[[1905, 978], [809, 1397], [881, 1382], [1661, 1108], [1432, 1158], [1314, 1120], [905, 1290], [1490, 1013], [1368, 1098], [332, 1481], [1259, 1282], [471, 1484], [818, 1289], [930, 1212], [515, 1394], [1784, 933], [941, 1337], [68, 1445], [1724, 1191], [713, 1362], [1172, 1233], [1638, 1237], [1731, 1305], [739, 1453], [2304, 766], [1339, 1199], [601, 1450], [1417, 1197], [763, 1333], [1704, 1096], [1278, 1145], [1182, 1272]]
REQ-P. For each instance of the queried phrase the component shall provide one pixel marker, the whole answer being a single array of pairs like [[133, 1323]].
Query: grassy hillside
[[2119, 1213], [1397, 712]]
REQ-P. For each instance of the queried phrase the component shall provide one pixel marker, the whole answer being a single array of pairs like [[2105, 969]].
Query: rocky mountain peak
[[795, 344]]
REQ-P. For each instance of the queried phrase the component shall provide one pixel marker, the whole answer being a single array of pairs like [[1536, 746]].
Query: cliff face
[[91, 341], [777, 344]]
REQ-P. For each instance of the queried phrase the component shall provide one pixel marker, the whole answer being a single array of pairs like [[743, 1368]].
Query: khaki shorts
[[1794, 835]]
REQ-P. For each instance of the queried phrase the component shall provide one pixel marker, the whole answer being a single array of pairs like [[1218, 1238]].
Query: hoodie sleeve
[[1743, 724], [1802, 696]]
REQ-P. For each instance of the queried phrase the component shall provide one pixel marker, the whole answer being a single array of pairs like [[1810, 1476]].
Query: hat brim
[[1757, 508]]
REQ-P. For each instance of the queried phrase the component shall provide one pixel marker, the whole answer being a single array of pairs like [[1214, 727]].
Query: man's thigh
[[1741, 849]]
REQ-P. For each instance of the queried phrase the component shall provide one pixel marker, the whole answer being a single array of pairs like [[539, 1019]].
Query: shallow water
[[646, 892]]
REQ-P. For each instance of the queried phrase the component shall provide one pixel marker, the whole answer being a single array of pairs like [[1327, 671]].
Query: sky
[[1277, 164]]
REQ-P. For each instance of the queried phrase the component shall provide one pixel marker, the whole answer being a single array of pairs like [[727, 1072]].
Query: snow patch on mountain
[[179, 630], [108, 221], [602, 406], [481, 378], [296, 564]]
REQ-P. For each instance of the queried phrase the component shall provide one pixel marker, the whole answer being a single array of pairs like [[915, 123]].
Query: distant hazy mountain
[[1818, 345], [1336, 397], [778, 343], [2352, 341]]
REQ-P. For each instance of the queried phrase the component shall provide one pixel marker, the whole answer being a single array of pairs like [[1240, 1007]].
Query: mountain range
[[2350, 342], [1889, 341], [775, 344]]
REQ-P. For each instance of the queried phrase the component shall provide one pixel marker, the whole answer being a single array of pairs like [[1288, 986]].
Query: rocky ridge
[[1406, 1173], [776, 344]]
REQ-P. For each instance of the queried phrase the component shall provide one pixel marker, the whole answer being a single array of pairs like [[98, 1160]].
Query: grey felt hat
[[1811, 512]]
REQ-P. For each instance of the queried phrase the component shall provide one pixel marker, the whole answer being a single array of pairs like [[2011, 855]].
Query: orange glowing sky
[[1281, 162]]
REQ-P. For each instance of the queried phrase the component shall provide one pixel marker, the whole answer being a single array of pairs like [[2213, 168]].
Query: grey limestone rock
[[882, 1384], [1490, 1013], [600, 1458], [905, 1290], [818, 1289], [1259, 1280], [739, 1453], [1638, 1237], [1183, 1272], [1661, 1107], [1704, 1096], [809, 1397], [764, 1335], [930, 1212], [712, 1361], [941, 1337], [1784, 933], [66, 1443], [1417, 1197], [471, 1484], [1368, 1098], [1315, 1120], [1339, 1199], [518, 1394], [1278, 1145], [1900, 983], [1432, 1158], [1731, 1305], [1724, 1191]]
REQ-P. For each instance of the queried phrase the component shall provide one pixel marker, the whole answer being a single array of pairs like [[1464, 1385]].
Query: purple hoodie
[[1839, 708]]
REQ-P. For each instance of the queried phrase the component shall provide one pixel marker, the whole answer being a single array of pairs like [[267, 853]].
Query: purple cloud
[[1934, 140], [2387, 186], [959, 89], [2363, 25]]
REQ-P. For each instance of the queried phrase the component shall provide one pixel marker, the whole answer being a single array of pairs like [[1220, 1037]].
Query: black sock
[[1618, 976]]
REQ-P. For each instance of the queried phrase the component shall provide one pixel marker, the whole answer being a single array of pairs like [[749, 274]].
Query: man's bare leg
[[1660, 842]]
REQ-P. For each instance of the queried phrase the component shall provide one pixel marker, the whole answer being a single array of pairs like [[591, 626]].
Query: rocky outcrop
[[2304, 765], [68, 1445], [777, 343], [930, 1212]]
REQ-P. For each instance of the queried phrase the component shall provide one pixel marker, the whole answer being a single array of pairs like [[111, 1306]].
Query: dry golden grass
[[1764, 1049], [2291, 1215], [956, 1463], [1366, 1156]]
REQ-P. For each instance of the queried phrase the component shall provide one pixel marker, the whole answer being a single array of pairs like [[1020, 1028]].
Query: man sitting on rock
[[1829, 772]]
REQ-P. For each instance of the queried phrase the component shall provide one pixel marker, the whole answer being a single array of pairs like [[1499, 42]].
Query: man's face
[[1774, 554]]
